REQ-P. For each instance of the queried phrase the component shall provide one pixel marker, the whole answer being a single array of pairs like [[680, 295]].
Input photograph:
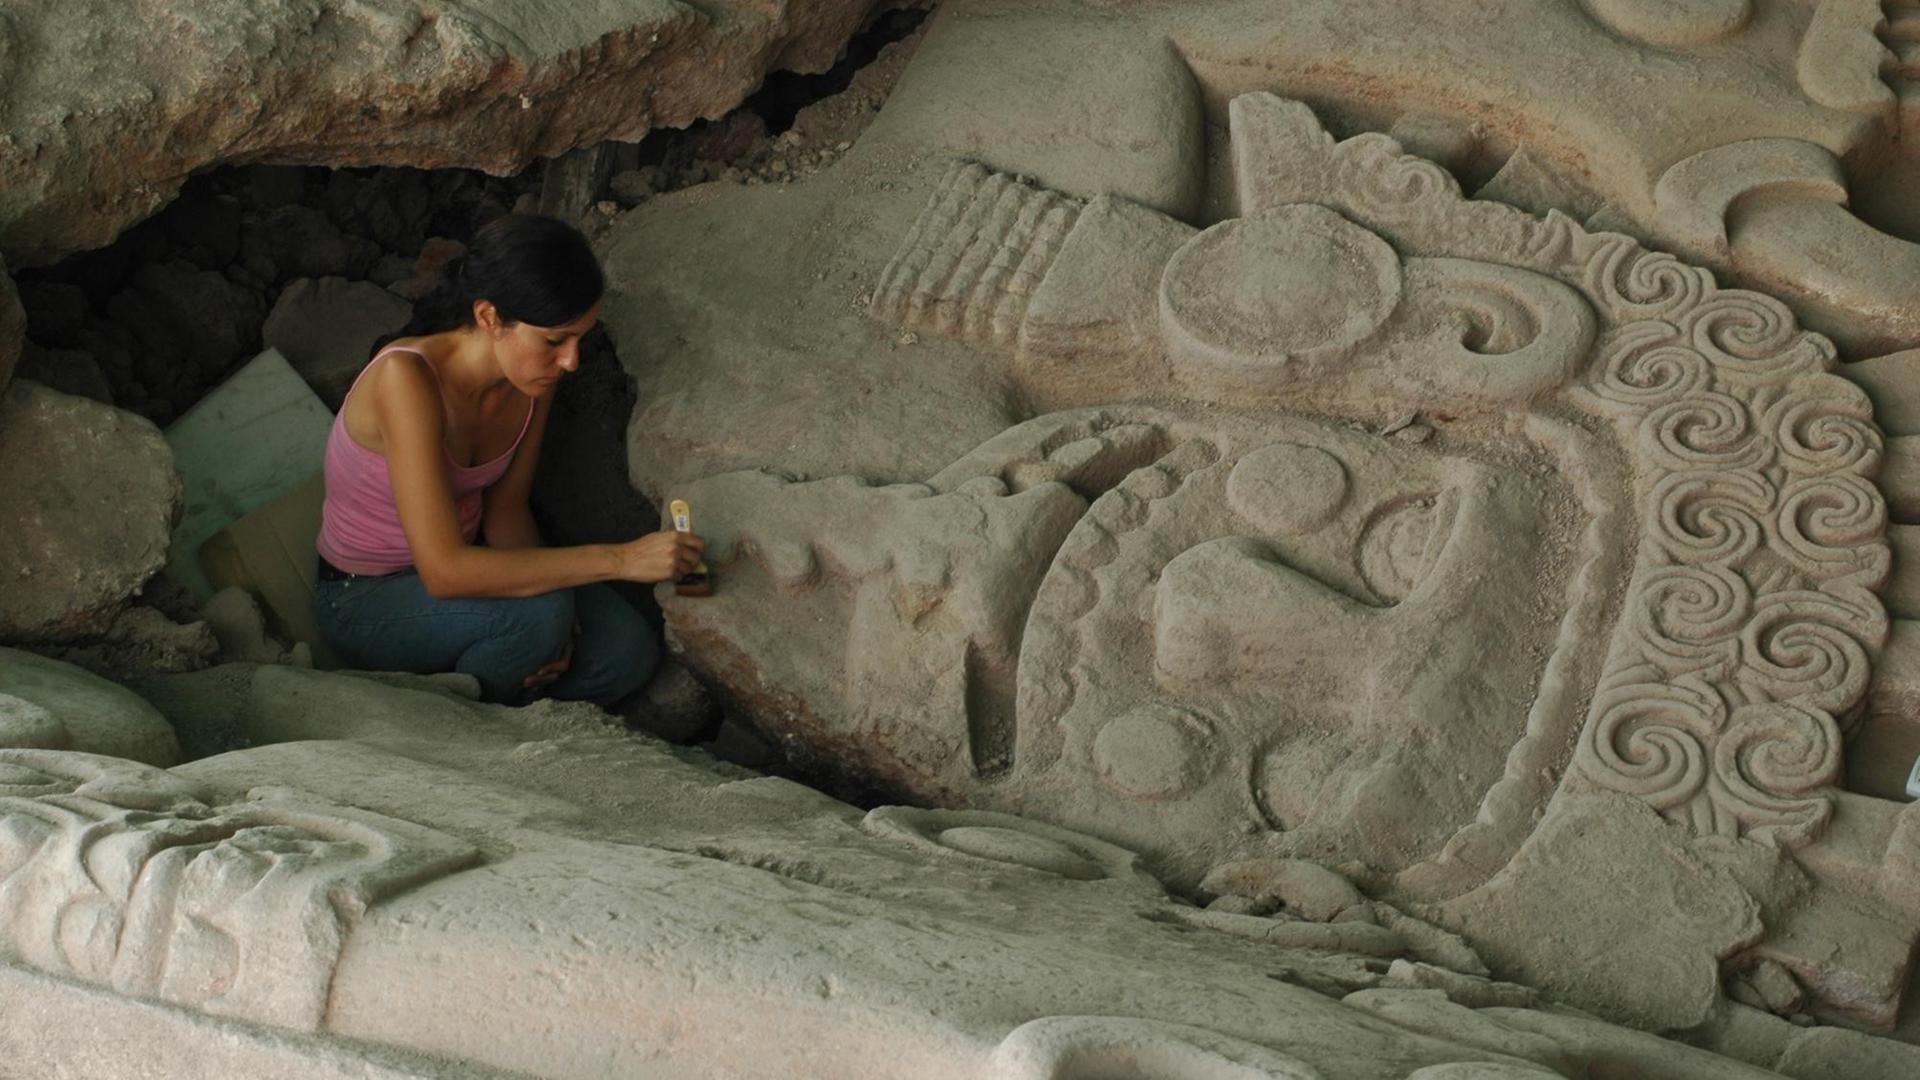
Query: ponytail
[[534, 269]]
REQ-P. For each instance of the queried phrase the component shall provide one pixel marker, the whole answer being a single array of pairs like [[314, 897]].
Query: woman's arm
[[413, 428], [507, 522]]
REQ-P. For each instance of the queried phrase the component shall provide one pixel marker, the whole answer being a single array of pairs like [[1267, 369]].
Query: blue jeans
[[390, 624]]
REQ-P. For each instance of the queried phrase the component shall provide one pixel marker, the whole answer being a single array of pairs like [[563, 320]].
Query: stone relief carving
[[128, 877], [1212, 629]]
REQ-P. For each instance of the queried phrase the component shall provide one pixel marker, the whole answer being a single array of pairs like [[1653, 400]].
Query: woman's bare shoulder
[[400, 383]]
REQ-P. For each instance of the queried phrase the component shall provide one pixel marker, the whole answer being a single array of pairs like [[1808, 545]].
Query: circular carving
[[1397, 548], [1651, 740], [1644, 364], [1691, 618], [1287, 488], [1021, 849], [1256, 291], [1152, 752], [1674, 23]]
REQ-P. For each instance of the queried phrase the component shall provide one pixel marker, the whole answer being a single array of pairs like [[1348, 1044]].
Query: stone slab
[[256, 437]]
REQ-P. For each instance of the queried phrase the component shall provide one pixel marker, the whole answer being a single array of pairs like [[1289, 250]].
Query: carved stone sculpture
[[528, 890], [1452, 514]]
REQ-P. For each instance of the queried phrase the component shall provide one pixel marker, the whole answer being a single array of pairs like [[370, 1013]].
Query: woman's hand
[[661, 556], [552, 671]]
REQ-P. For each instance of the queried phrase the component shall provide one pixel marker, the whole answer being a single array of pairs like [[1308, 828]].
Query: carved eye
[[1400, 544]]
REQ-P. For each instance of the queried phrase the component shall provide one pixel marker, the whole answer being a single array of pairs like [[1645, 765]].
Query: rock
[[571, 183], [637, 185], [741, 745], [70, 371], [90, 494], [727, 139], [296, 242], [425, 272], [326, 328], [1302, 888], [190, 317], [51, 705], [107, 126], [389, 206], [141, 641], [678, 707], [390, 270], [237, 623], [13, 327], [1473, 991]]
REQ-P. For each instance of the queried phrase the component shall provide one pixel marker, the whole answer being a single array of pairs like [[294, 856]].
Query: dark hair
[[535, 269]]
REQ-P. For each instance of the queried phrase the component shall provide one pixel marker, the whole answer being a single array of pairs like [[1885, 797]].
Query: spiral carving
[[1645, 364], [1769, 765], [1751, 337], [1690, 618], [1643, 285], [1821, 435], [1705, 517], [1762, 533], [1397, 183], [1705, 430], [1807, 648], [1650, 740], [1829, 526]]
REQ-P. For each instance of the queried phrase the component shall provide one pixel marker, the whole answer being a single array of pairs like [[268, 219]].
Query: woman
[[429, 557]]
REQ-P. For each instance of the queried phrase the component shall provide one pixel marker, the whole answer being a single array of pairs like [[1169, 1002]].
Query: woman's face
[[535, 358]]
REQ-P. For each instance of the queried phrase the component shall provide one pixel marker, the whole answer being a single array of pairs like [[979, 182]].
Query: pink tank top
[[360, 524]]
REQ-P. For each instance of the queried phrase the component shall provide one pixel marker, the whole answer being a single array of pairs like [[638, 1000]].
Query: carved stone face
[[1198, 634]]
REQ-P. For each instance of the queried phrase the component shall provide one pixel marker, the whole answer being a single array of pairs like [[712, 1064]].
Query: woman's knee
[[543, 623], [617, 652]]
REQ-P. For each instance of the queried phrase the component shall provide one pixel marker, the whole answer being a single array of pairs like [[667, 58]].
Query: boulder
[[187, 318], [70, 371], [102, 128], [326, 327], [49, 705], [300, 241], [89, 493]]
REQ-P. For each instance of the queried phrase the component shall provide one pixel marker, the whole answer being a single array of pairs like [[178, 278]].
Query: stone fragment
[[52, 705], [238, 624], [1650, 952], [1473, 991], [325, 328], [89, 493], [256, 437], [637, 185], [1305, 889]]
